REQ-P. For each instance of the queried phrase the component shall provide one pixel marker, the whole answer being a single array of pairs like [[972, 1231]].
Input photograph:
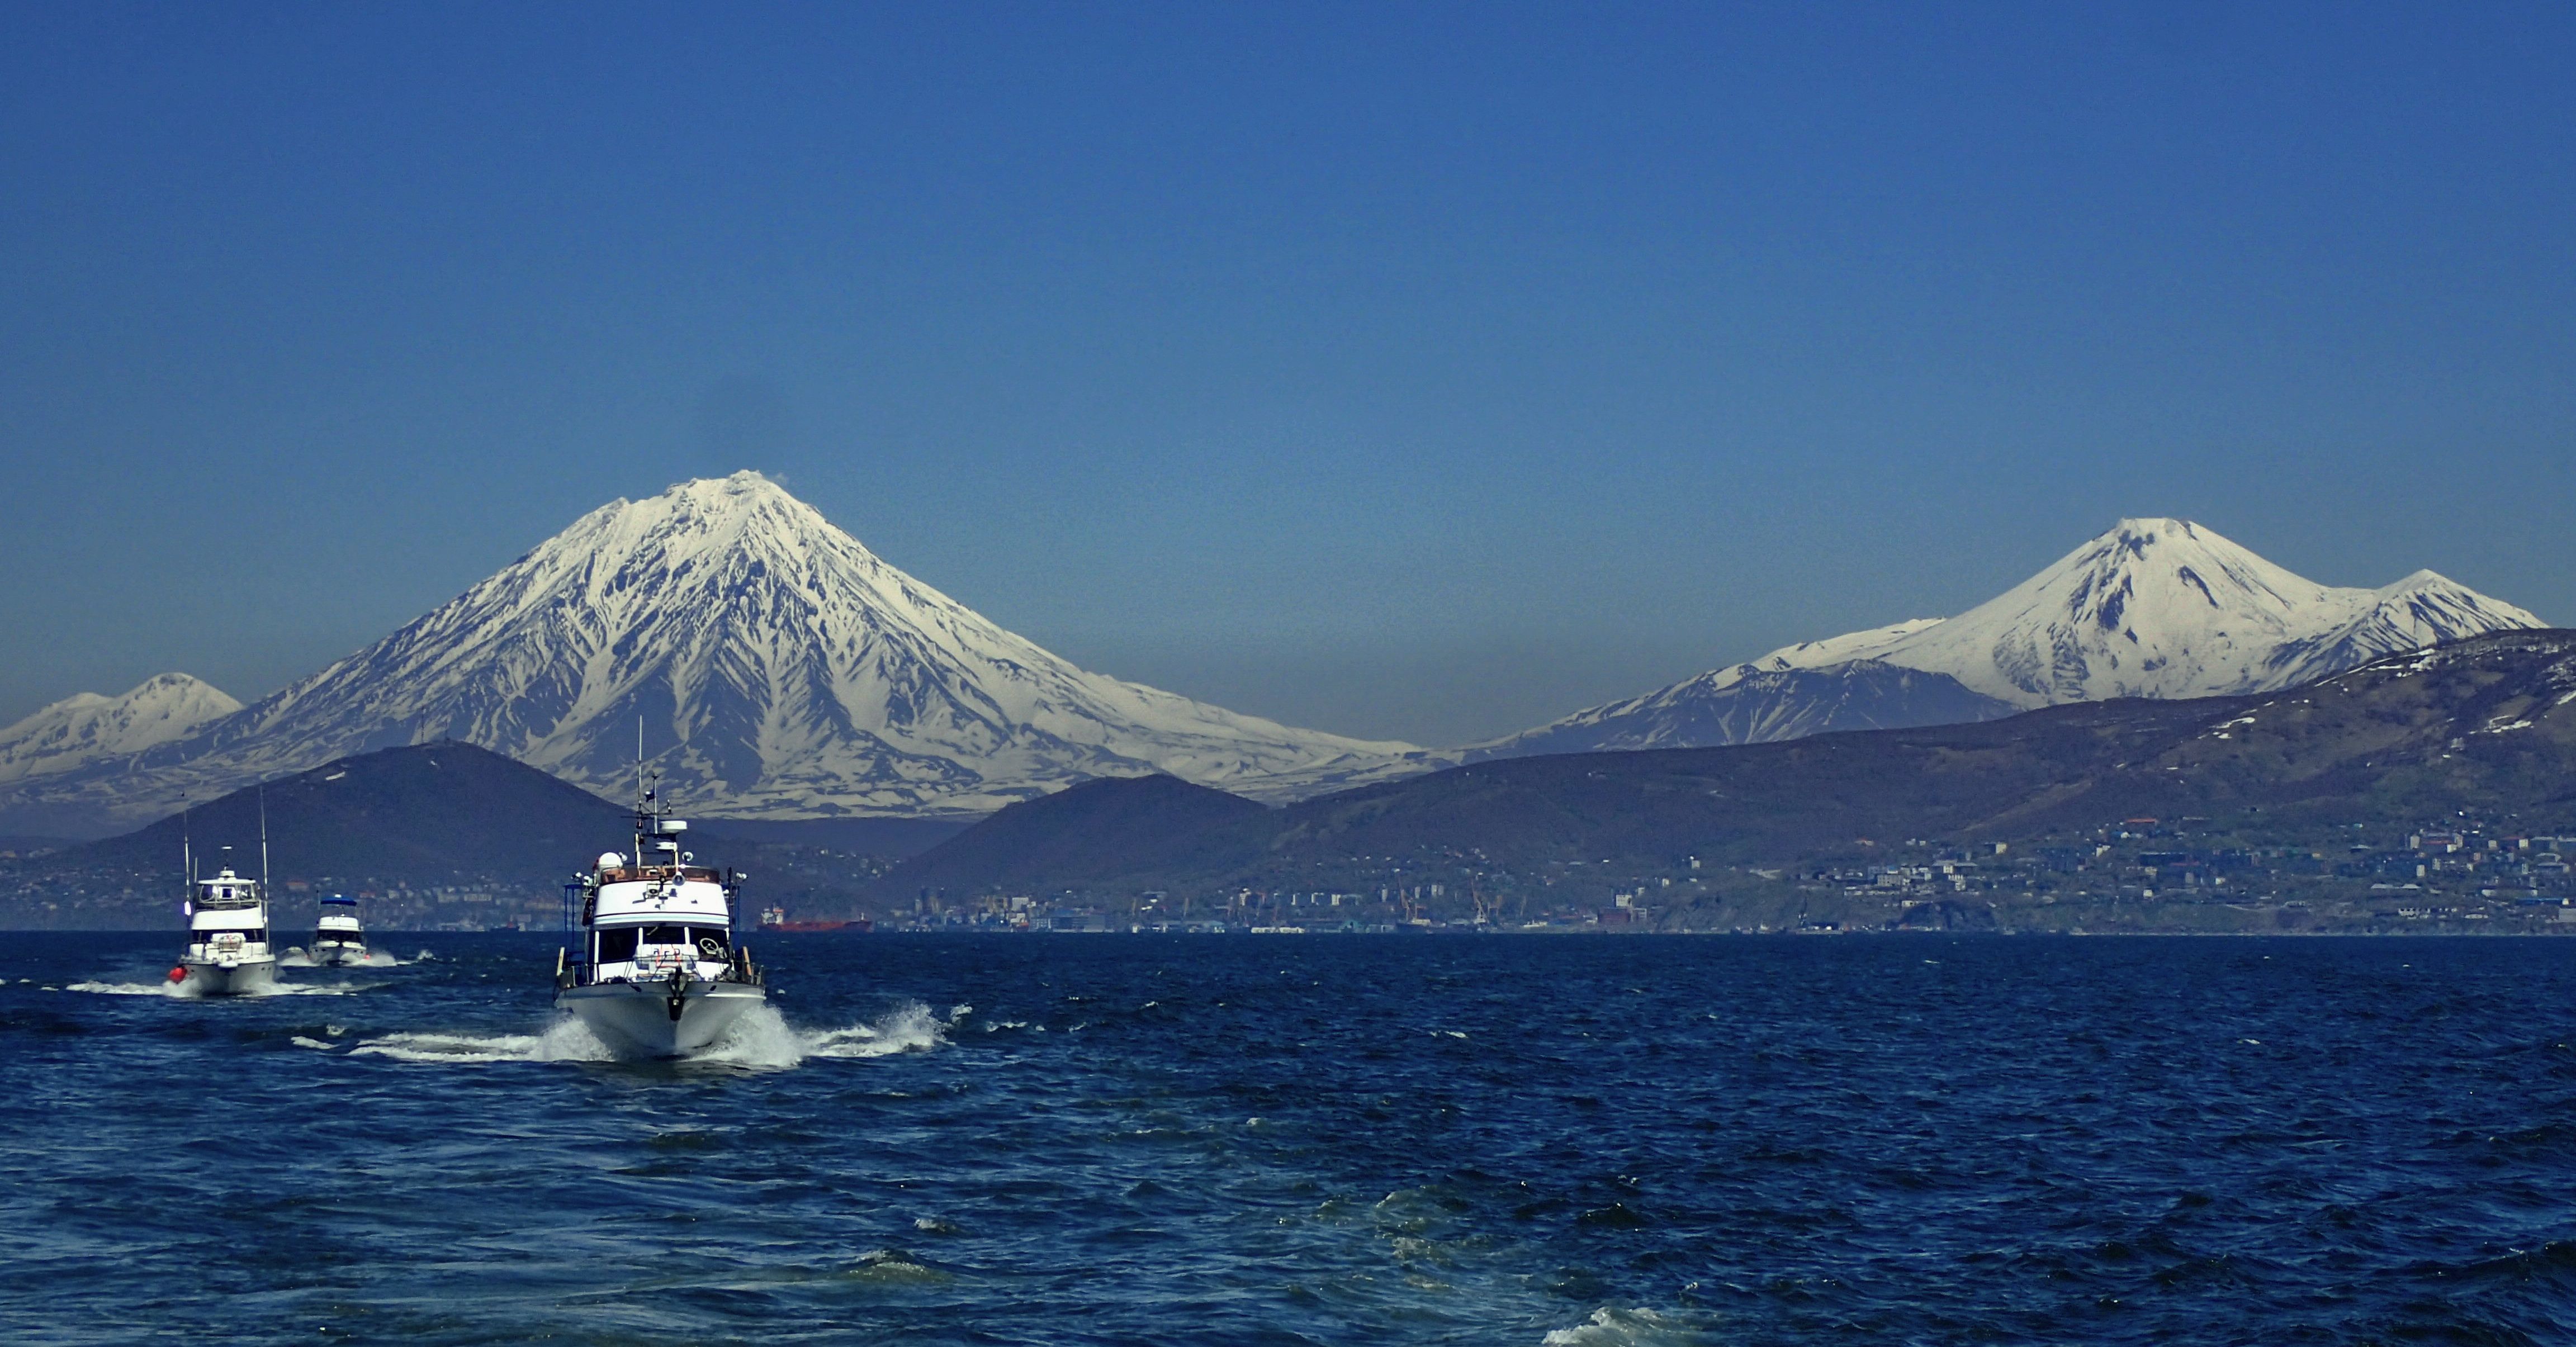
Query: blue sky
[[1405, 370]]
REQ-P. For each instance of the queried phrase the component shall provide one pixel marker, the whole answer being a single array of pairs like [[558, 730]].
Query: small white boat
[[657, 973], [228, 951], [337, 939]]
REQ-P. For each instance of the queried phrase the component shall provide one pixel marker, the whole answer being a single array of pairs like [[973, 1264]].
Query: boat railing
[[207, 902], [630, 874]]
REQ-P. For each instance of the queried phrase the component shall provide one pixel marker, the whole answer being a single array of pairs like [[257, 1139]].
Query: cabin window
[[666, 935], [617, 945]]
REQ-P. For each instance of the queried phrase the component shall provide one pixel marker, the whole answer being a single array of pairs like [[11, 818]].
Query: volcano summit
[[781, 670]]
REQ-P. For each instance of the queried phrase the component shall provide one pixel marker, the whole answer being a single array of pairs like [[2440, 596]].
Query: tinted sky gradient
[[1395, 370]]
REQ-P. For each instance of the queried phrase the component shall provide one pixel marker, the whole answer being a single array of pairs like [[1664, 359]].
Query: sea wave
[[1611, 1327]]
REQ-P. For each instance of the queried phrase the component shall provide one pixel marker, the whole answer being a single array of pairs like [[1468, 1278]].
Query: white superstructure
[[657, 973], [228, 948], [337, 938]]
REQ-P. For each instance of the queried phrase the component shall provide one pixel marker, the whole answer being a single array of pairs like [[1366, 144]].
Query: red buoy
[[179, 974]]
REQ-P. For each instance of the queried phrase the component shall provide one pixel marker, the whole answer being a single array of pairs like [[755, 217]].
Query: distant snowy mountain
[[86, 727], [2152, 608], [780, 669]]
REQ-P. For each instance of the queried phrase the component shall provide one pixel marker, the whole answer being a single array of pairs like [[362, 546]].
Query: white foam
[[1622, 1328], [762, 1039], [299, 957], [187, 991], [563, 1041]]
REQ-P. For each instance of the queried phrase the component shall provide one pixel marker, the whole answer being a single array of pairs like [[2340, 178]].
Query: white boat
[[228, 951], [657, 973], [337, 939]]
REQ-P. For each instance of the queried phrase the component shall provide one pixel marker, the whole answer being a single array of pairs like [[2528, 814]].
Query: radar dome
[[610, 860]]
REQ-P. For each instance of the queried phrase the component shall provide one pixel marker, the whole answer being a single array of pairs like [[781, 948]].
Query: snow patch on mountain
[[85, 728], [779, 668]]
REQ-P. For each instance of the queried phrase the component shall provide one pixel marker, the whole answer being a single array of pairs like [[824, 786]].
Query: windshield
[[618, 944]]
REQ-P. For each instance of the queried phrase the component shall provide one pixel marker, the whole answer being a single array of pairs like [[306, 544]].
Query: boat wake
[[761, 1041], [187, 991], [563, 1041], [299, 957]]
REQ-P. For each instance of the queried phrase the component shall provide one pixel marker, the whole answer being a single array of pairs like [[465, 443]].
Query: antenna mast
[[187, 857], [641, 798], [263, 841]]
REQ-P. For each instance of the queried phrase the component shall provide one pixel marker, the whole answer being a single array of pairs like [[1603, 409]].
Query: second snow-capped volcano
[[2152, 608], [779, 667]]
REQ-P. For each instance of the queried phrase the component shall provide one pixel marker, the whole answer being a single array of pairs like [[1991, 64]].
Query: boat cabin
[[228, 916], [647, 921], [338, 924]]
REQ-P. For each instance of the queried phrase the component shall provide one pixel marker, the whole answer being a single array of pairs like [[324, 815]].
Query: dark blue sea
[[1379, 1140]]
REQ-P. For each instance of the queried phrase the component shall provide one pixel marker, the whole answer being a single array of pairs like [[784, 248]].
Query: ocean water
[[1207, 1140]]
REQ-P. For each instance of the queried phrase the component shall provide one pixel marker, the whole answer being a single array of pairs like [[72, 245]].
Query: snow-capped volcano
[[86, 727], [779, 668], [2165, 608], [2152, 608]]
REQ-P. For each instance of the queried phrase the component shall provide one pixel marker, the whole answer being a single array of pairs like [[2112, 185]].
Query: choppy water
[[1332, 1140]]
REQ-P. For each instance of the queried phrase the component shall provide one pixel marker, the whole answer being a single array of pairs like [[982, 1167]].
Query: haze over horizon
[[1421, 375]]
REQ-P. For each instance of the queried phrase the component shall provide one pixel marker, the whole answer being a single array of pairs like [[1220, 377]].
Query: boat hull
[[337, 956], [636, 1019], [247, 977]]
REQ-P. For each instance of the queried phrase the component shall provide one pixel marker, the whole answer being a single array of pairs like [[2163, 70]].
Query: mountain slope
[[434, 813], [1080, 835], [87, 727], [2488, 725], [2157, 608], [779, 669], [1749, 704]]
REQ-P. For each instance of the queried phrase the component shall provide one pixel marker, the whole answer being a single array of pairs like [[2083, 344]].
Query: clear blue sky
[[1393, 369]]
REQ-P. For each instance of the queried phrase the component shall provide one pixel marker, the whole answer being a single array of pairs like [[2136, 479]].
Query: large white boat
[[337, 939], [228, 951], [657, 973]]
